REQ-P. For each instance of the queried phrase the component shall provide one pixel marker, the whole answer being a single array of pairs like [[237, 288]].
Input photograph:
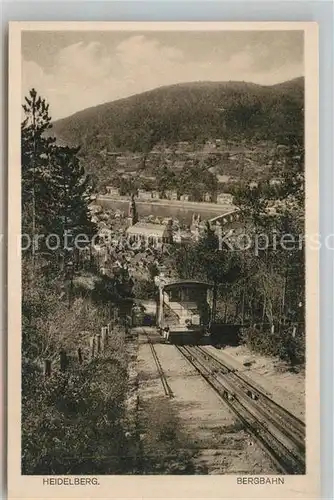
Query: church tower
[[168, 236], [132, 214], [194, 228]]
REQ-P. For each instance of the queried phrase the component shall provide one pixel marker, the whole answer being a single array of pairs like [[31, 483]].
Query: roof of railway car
[[178, 283]]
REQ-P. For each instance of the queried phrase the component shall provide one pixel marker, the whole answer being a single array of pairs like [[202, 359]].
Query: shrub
[[144, 289], [281, 343], [72, 422]]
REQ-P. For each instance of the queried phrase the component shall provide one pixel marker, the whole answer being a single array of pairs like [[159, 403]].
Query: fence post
[[92, 347], [98, 343], [126, 325], [47, 368], [63, 360], [104, 337], [80, 355]]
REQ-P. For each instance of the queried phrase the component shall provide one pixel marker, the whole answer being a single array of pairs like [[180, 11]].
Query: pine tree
[[36, 153], [55, 190], [71, 199]]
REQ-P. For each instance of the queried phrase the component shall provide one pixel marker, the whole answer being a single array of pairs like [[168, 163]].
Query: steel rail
[[168, 391], [285, 420], [273, 442]]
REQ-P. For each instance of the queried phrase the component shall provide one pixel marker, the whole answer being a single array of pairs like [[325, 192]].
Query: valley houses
[[142, 194]]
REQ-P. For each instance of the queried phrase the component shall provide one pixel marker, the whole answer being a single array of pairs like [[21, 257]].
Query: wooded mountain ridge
[[194, 112]]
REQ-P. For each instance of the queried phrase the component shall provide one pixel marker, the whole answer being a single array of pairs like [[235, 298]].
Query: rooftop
[[147, 229], [170, 283]]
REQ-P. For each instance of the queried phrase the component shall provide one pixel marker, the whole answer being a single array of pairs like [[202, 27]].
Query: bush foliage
[[281, 343], [72, 418], [72, 422]]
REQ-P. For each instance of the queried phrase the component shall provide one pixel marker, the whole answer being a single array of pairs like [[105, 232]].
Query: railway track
[[277, 431], [293, 427], [166, 387]]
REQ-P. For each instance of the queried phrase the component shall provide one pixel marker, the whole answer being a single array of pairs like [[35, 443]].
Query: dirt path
[[222, 446]]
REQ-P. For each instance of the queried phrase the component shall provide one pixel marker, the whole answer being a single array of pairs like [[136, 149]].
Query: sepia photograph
[[162, 317]]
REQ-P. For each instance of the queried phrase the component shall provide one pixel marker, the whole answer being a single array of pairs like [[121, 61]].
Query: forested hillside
[[192, 112]]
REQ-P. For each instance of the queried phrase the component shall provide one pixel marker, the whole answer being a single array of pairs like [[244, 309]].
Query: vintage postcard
[[163, 323]]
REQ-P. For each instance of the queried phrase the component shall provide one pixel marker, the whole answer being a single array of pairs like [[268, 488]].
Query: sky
[[77, 70]]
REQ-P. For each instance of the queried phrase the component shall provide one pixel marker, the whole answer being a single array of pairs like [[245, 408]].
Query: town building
[[144, 195], [275, 182], [225, 198], [171, 195], [112, 191], [221, 177], [121, 161], [149, 234], [182, 236], [178, 165]]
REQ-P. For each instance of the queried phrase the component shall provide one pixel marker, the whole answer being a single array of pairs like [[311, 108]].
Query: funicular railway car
[[184, 312]]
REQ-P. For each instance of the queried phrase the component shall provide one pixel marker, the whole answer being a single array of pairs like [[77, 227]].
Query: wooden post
[[214, 301], [161, 308], [264, 310], [225, 312], [104, 337], [130, 319], [157, 312], [98, 343], [126, 325], [110, 330], [92, 347], [63, 360], [80, 355], [243, 305], [283, 301], [47, 368]]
